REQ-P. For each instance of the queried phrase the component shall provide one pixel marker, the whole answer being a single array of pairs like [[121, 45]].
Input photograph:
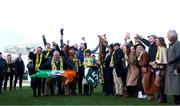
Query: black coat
[[3, 66], [107, 68], [107, 61], [151, 51], [118, 62], [19, 66], [11, 66], [66, 65], [32, 56], [50, 54]]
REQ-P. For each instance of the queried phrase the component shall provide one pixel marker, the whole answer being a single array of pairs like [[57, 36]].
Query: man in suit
[[38, 59], [118, 69], [19, 70]]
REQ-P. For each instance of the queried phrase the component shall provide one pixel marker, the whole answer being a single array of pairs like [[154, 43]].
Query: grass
[[24, 97]]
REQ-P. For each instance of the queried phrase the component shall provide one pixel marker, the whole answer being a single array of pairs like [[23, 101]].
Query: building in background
[[24, 49]]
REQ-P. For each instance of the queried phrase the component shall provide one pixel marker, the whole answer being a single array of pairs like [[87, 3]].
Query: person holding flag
[[57, 62], [48, 53]]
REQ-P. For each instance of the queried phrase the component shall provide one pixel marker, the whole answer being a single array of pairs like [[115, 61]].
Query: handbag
[[30, 65]]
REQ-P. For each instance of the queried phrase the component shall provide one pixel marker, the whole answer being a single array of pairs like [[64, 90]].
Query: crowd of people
[[11, 70], [141, 68]]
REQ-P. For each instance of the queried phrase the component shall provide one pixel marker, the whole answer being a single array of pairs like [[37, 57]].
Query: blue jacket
[[80, 53]]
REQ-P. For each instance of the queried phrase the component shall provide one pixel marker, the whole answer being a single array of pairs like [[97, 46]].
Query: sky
[[25, 21]]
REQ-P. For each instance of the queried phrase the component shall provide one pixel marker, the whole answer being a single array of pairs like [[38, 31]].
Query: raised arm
[[94, 50], [44, 40], [146, 42]]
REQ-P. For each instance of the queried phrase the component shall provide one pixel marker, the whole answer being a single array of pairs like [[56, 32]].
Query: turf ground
[[24, 97]]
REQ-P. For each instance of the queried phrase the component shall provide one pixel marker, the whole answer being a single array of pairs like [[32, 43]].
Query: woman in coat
[[9, 72], [160, 64], [148, 79], [133, 73]]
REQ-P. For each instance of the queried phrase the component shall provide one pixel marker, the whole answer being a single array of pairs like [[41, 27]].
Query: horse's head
[[102, 39]]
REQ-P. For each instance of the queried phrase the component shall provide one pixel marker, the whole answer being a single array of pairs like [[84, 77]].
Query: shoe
[[144, 96], [162, 100], [150, 98], [120, 95], [116, 95], [73, 94], [176, 103], [80, 94], [140, 96], [126, 95], [46, 95]]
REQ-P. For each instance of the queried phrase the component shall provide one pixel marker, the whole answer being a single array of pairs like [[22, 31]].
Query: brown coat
[[148, 79], [133, 71]]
